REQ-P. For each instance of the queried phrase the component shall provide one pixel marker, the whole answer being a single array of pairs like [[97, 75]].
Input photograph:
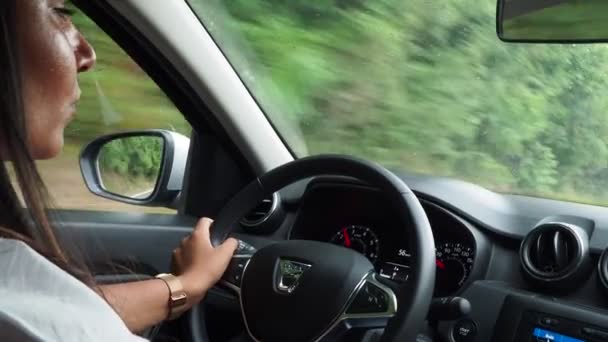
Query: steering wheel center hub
[[295, 290]]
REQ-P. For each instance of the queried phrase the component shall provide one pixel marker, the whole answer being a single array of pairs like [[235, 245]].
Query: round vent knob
[[603, 269], [556, 255], [266, 216]]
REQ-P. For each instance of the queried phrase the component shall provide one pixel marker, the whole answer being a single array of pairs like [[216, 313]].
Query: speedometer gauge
[[454, 265], [360, 238]]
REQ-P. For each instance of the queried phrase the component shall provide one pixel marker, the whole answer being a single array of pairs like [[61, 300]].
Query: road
[[142, 195]]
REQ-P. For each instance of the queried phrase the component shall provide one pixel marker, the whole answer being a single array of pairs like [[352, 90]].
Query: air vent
[[264, 216], [603, 269], [553, 252], [556, 254]]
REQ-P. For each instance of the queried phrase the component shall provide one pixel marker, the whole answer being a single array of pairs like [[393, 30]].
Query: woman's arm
[[140, 304], [197, 264]]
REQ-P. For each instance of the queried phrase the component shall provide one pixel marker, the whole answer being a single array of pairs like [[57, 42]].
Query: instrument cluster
[[358, 218]]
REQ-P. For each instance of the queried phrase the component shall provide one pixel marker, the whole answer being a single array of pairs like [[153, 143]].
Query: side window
[[116, 96]]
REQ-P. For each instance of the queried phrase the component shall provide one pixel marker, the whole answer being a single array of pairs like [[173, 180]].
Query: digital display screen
[[398, 269], [542, 335]]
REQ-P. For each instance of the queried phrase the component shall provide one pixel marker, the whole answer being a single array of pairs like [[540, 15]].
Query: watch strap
[[178, 298]]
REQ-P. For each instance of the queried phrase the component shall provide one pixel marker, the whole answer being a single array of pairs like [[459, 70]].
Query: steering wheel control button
[[245, 249], [464, 331], [234, 273], [369, 300]]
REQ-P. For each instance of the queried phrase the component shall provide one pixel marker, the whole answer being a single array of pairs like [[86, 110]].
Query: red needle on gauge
[[440, 264], [346, 238]]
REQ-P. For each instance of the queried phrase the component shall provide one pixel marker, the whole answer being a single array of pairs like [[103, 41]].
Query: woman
[[46, 293]]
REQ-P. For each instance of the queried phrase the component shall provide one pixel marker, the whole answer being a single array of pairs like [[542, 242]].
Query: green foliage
[[134, 157], [416, 85], [424, 87]]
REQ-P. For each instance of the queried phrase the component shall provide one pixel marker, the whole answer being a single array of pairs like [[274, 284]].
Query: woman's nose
[[85, 55]]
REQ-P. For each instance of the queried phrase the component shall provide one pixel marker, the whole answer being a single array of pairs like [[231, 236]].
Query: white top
[[41, 302]]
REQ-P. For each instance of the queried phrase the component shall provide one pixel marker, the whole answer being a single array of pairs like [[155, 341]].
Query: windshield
[[424, 87]]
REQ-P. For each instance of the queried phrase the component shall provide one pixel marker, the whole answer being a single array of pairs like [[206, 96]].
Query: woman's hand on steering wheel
[[198, 264]]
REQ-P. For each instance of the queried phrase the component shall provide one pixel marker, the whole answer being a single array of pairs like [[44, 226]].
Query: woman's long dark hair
[[31, 224]]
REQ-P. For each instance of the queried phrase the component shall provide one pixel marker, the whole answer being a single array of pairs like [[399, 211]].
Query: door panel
[[140, 239]]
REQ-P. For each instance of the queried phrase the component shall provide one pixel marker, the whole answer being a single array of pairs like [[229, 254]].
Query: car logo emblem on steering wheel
[[289, 274]]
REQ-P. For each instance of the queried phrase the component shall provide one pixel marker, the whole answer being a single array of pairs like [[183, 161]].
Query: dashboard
[[357, 217], [531, 269]]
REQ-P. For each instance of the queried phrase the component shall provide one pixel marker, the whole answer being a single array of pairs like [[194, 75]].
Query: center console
[[504, 314], [548, 321], [530, 318]]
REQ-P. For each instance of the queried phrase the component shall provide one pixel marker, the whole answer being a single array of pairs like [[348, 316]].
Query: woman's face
[[53, 52]]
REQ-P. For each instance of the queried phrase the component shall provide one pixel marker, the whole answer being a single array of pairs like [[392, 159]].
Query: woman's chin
[[48, 151]]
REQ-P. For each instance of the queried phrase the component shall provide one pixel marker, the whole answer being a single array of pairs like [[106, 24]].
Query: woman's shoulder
[[12, 243], [12, 251], [16, 254], [24, 268], [40, 300], [7, 244]]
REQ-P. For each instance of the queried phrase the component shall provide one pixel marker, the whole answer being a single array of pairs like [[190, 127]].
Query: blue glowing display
[[550, 336]]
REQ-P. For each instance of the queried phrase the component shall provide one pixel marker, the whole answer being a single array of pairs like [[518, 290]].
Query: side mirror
[[139, 167]]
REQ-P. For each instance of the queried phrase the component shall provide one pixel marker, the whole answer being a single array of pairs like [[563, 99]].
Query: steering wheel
[[314, 291]]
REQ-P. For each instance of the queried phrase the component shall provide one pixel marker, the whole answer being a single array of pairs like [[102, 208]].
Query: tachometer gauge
[[360, 238], [454, 264]]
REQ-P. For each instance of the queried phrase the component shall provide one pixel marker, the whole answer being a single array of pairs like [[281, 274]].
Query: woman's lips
[[74, 105], [72, 111]]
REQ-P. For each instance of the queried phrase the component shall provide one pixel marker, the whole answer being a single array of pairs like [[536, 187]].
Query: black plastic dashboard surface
[[511, 216]]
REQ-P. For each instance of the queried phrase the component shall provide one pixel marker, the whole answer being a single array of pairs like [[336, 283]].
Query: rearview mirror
[[552, 21], [141, 167]]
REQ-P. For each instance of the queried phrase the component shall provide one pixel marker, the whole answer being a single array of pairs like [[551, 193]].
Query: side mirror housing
[[143, 168]]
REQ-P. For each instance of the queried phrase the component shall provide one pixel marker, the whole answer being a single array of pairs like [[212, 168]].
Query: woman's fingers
[[229, 246], [207, 222], [203, 227], [185, 240], [200, 265], [176, 261]]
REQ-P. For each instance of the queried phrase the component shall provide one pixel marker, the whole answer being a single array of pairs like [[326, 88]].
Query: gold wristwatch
[[178, 297]]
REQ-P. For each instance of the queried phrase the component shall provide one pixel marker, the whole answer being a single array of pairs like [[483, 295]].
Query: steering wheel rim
[[413, 297]]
